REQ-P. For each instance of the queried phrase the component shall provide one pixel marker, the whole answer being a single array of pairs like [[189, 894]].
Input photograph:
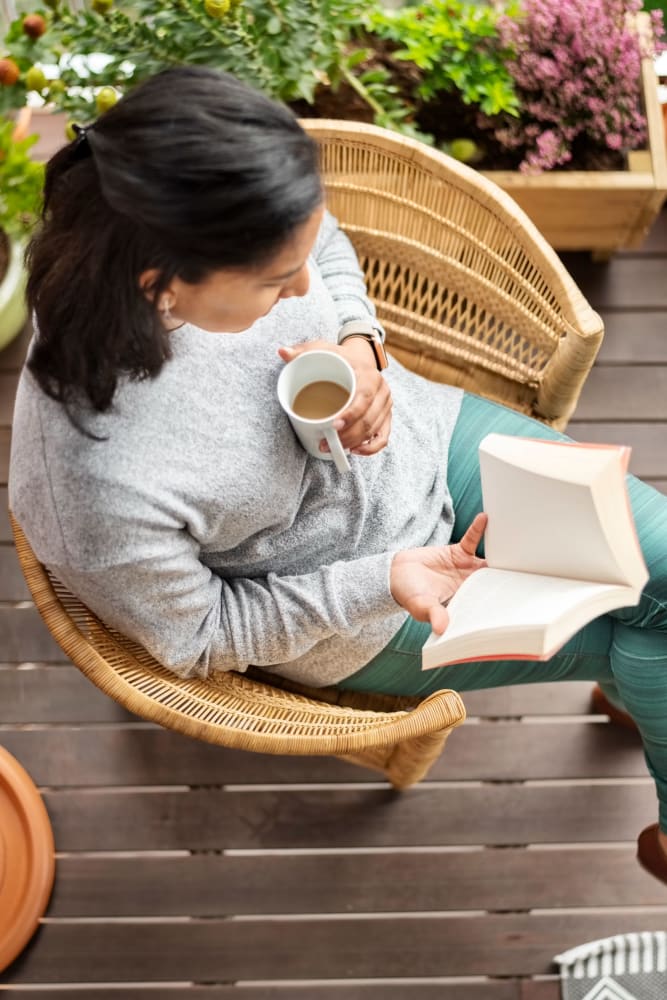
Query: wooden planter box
[[601, 211]]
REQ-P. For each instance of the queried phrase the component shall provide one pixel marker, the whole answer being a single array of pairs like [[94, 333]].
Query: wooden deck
[[186, 871]]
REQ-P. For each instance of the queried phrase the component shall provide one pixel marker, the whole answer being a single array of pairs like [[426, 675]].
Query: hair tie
[[82, 147], [80, 132]]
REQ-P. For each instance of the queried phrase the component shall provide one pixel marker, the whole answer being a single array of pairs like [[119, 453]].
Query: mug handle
[[336, 449]]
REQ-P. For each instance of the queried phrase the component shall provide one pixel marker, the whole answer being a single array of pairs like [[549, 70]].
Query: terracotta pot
[[27, 858]]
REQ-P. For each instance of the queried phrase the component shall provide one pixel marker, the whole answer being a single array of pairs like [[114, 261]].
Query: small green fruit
[[70, 132], [102, 6], [105, 99], [217, 8], [35, 79], [464, 150]]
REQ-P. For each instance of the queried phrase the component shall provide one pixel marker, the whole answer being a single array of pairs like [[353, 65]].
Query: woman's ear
[[147, 282], [165, 303]]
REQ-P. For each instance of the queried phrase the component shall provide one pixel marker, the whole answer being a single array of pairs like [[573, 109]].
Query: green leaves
[[457, 47], [287, 48], [21, 183]]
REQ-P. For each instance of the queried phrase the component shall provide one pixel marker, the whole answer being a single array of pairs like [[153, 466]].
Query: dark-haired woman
[[185, 255]]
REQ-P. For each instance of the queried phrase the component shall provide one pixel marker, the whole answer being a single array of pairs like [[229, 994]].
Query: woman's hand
[[423, 580], [367, 420]]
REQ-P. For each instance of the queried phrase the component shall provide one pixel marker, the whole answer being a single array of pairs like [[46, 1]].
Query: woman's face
[[231, 300]]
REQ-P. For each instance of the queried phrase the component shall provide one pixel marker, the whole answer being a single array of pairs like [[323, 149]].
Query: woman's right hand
[[423, 580]]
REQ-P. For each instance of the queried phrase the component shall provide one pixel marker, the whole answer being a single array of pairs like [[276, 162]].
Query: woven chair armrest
[[227, 708]]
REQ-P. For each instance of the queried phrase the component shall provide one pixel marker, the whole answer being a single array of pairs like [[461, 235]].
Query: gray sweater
[[203, 530]]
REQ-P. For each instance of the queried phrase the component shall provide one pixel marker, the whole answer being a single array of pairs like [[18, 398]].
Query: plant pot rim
[[27, 858], [13, 310]]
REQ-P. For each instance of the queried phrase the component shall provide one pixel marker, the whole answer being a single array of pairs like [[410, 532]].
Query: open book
[[561, 549]]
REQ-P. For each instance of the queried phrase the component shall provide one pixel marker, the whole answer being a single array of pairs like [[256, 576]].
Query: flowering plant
[[577, 70], [533, 84]]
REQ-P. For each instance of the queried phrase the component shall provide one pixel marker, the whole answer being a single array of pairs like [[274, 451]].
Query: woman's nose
[[298, 285]]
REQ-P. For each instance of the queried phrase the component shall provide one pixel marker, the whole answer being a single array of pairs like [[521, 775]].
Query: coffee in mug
[[320, 400], [313, 389]]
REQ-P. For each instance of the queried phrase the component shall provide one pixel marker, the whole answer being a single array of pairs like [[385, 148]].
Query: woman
[[185, 255]]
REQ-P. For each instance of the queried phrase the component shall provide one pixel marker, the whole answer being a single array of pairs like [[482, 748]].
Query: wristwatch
[[364, 328]]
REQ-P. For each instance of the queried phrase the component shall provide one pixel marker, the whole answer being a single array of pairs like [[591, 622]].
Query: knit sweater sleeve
[[338, 264], [194, 621]]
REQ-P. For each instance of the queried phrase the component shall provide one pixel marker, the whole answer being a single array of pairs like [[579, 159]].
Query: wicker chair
[[469, 293]]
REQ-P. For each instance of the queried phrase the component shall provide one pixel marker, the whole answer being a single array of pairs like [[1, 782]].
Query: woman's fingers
[[438, 618], [474, 534], [368, 419]]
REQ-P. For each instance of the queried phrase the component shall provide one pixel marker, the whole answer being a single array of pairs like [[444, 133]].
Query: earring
[[165, 311]]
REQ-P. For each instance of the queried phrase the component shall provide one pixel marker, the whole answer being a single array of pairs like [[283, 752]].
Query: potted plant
[[586, 77], [21, 180], [478, 80], [576, 136]]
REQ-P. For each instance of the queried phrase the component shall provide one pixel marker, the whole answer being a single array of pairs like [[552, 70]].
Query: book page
[[543, 502], [500, 613]]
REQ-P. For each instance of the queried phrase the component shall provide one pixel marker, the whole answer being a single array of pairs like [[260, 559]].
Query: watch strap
[[374, 335]]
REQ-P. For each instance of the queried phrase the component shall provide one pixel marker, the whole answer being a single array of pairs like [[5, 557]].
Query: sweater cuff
[[363, 592]]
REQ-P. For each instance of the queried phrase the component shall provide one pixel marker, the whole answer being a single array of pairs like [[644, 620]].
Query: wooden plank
[[364, 947], [5, 530], [655, 242], [647, 441], [427, 815], [494, 751], [633, 392], [13, 356], [214, 885], [621, 283], [499, 989], [5, 438], [25, 638], [563, 698], [8, 383], [12, 582], [46, 693], [632, 337]]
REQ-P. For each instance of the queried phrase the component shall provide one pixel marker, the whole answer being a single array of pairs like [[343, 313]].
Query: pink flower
[[577, 68]]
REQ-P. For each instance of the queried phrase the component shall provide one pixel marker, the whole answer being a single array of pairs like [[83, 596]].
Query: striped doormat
[[623, 967]]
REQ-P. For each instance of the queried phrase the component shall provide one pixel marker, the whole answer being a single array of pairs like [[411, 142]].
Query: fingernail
[[339, 424]]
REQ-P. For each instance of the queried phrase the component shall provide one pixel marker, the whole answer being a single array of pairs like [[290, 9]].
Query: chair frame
[[469, 293]]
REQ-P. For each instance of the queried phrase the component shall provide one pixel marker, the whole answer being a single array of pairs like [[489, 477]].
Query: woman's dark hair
[[190, 172]]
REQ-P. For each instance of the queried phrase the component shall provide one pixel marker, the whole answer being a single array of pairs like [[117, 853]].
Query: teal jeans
[[625, 651]]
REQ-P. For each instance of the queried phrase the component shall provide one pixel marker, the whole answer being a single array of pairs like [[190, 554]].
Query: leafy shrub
[[456, 45], [21, 181], [286, 48]]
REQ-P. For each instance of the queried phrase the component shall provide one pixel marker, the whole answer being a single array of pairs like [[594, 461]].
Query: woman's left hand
[[368, 417]]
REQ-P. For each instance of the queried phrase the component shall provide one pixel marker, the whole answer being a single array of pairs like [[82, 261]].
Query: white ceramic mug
[[317, 366]]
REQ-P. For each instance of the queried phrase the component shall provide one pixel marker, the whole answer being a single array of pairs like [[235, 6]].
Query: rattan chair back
[[468, 290]]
